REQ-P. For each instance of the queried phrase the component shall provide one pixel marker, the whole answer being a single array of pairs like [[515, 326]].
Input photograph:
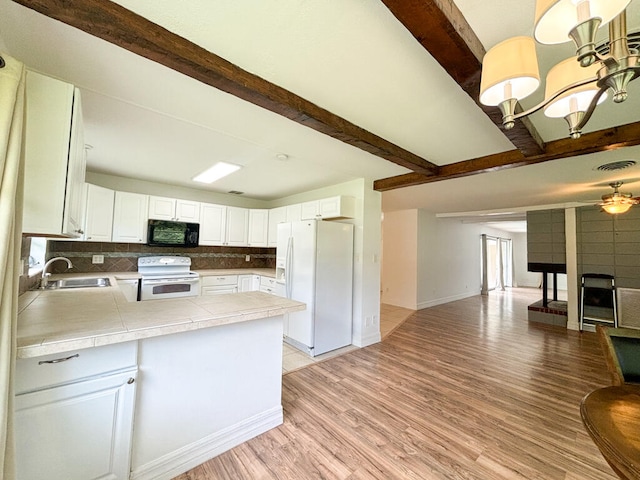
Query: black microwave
[[164, 233]]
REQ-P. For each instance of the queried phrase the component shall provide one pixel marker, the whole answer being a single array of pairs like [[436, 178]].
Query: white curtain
[[12, 87]]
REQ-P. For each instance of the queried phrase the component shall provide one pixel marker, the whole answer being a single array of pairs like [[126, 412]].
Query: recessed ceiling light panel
[[219, 170]]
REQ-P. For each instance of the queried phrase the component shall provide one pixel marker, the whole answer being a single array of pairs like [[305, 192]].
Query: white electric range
[[167, 277]]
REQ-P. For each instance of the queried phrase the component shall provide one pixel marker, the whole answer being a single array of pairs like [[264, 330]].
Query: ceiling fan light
[[616, 208], [554, 19], [559, 78], [617, 202], [509, 70]]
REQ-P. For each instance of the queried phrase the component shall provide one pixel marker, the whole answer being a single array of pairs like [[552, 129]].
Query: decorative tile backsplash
[[123, 257]]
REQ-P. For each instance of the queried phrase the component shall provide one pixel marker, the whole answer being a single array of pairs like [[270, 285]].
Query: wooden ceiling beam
[[600, 141], [119, 26], [443, 31]]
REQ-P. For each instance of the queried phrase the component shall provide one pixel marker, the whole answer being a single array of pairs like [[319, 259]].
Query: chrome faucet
[[43, 281]]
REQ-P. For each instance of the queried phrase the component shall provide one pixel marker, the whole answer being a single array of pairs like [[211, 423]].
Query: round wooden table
[[611, 415]]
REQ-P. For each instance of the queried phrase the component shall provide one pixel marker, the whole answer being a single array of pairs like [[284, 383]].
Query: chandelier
[[575, 86], [617, 202]]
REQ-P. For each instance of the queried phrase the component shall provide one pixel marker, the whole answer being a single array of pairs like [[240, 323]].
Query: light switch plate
[[97, 259]]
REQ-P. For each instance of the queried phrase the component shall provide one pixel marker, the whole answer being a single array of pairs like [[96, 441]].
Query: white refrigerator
[[314, 260]]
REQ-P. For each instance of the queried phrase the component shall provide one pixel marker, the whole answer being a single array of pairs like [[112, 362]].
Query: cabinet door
[[258, 227], [74, 200], [310, 210], [294, 213], [237, 226], [248, 283], [245, 283], [337, 207], [187, 211], [162, 208], [130, 217], [213, 224], [47, 129], [78, 431], [99, 216], [276, 216]]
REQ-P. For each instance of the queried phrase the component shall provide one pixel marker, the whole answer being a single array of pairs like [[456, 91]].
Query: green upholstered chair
[[621, 347]]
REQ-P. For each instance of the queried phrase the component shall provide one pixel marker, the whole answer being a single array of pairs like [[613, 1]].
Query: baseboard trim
[[190, 456], [453, 298], [367, 340]]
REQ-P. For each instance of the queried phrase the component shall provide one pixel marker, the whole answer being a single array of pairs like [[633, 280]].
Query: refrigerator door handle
[[289, 266]]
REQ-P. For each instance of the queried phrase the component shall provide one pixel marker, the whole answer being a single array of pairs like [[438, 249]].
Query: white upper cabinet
[[213, 224], [340, 206], [276, 216], [310, 210], [98, 223], [294, 213], [54, 158], [237, 226], [337, 207], [164, 208], [223, 225], [258, 228], [130, 214]]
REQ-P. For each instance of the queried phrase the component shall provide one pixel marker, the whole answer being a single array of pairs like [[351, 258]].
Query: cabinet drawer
[[32, 374], [219, 280], [277, 289], [219, 290], [267, 282]]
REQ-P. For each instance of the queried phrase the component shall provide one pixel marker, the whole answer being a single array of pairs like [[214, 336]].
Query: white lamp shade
[[555, 18], [564, 74], [509, 70]]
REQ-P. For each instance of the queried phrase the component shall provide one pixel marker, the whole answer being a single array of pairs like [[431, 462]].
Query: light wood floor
[[391, 317], [466, 390]]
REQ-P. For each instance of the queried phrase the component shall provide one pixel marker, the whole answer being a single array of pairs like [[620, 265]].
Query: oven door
[[157, 288]]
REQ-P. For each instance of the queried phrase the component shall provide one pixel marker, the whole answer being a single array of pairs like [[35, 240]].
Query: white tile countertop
[[58, 321]]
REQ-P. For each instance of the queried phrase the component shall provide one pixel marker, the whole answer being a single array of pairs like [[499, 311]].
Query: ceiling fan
[[618, 202]]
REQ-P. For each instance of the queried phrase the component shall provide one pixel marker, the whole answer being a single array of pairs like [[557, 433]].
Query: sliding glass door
[[496, 263]]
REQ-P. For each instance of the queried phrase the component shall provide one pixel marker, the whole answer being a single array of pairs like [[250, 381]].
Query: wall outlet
[[247, 258], [97, 259]]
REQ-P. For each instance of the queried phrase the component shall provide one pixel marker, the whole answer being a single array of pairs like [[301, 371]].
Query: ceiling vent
[[236, 192], [621, 165]]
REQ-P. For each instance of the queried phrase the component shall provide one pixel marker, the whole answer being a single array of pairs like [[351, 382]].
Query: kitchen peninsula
[[143, 390]]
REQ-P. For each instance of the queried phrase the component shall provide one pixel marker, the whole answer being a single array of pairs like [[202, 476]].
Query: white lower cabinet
[[269, 285], [219, 284], [248, 283], [81, 427]]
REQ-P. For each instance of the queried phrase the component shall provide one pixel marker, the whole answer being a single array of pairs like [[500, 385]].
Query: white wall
[[449, 259], [446, 254], [523, 277], [399, 282]]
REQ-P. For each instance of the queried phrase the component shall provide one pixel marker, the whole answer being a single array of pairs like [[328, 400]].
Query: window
[[37, 255]]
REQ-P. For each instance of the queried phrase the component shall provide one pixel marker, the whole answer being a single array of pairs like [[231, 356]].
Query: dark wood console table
[[611, 415]]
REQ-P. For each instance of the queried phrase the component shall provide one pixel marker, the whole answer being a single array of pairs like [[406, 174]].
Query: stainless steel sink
[[78, 283]]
